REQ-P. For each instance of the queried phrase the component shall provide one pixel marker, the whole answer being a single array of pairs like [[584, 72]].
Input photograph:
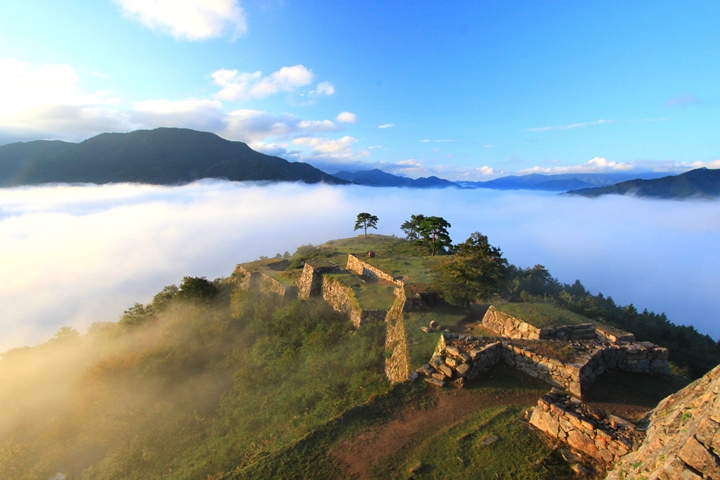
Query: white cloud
[[570, 126], [386, 125], [436, 141], [256, 125], [269, 148], [346, 117], [611, 244], [594, 165], [204, 115], [46, 98], [327, 148], [325, 88], [245, 85], [189, 19]]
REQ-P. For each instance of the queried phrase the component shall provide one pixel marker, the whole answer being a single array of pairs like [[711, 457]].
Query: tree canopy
[[365, 221], [433, 234], [411, 228], [477, 270]]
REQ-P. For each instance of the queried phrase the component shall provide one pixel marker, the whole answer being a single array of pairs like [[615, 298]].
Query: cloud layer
[[189, 19], [74, 255]]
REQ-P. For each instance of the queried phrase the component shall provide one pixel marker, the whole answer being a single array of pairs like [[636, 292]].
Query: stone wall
[[638, 357], [268, 284], [364, 269], [683, 437], [265, 283], [459, 359], [310, 282], [397, 363], [573, 377], [508, 326], [605, 438]]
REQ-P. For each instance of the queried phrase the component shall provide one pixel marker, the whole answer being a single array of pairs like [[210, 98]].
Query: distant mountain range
[[699, 183], [171, 156], [164, 156], [378, 178], [561, 182]]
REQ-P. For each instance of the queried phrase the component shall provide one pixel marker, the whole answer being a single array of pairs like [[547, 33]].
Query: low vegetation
[[213, 381]]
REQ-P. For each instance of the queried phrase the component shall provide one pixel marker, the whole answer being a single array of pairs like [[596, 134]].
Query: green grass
[[519, 453], [542, 315], [420, 344], [382, 245], [308, 457], [457, 452], [414, 269], [376, 295]]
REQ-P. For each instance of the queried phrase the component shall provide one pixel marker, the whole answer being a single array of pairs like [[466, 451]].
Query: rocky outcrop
[[683, 438], [604, 437]]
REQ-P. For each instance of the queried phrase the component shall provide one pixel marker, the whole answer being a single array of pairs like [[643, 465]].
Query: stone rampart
[[364, 269], [268, 284], [509, 326], [604, 437], [459, 360], [397, 363], [311, 280], [638, 357], [263, 282], [242, 276], [506, 325], [575, 377], [340, 297]]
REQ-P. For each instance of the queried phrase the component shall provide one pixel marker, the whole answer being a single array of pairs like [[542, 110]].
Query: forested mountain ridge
[[698, 183], [165, 156]]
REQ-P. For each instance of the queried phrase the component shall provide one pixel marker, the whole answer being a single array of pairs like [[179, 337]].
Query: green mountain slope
[[162, 156], [699, 183]]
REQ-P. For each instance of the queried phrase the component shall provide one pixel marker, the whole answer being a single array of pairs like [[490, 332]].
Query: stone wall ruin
[[605, 438]]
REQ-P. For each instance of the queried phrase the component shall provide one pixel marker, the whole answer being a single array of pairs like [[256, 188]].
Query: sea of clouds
[[72, 255]]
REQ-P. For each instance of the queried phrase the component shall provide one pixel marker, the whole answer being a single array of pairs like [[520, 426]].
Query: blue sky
[[463, 90]]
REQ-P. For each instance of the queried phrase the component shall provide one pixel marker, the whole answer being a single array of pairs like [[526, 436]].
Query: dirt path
[[364, 452]]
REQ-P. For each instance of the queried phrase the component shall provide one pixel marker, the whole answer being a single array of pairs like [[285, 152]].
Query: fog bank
[[72, 255]]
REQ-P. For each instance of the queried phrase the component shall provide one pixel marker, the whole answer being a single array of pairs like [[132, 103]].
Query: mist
[[73, 255]]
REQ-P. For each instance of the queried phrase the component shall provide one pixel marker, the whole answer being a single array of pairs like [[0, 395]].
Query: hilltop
[[311, 366], [165, 156], [698, 183]]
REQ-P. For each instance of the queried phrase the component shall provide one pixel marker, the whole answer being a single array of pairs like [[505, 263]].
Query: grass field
[[438, 433], [542, 315], [420, 344]]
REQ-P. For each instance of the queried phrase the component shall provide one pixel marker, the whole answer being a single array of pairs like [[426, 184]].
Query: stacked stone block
[[604, 437], [459, 359]]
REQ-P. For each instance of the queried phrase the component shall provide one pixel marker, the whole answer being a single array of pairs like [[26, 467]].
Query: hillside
[[296, 368], [698, 183], [165, 156]]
